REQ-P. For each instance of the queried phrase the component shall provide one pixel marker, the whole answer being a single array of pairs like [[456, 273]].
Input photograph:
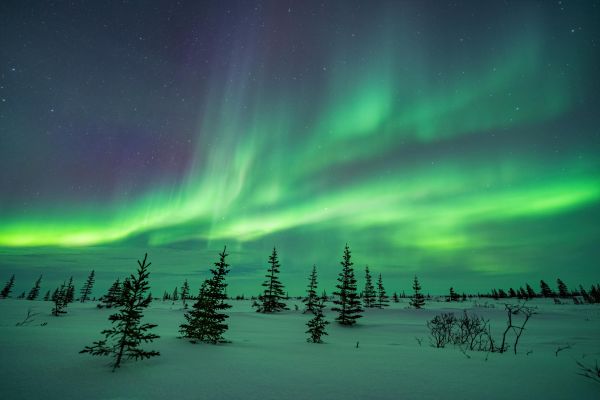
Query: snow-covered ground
[[269, 358]]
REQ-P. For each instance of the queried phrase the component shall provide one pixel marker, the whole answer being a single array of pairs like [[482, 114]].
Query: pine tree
[[128, 332], [530, 292], [165, 296], [47, 296], [35, 290], [185, 292], [453, 296], [206, 321], [586, 297], [382, 298], [311, 294], [86, 290], [395, 298], [545, 289], [60, 300], [316, 325], [369, 292], [418, 300], [270, 300], [175, 294], [346, 297], [113, 295], [562, 289], [502, 294], [512, 293], [7, 288], [70, 291]]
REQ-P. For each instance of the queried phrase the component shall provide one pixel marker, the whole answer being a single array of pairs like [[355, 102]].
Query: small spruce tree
[[311, 293], [418, 300], [123, 340], [70, 293], [86, 290], [453, 296], [59, 298], [271, 299], [562, 289], [382, 298], [368, 296], [205, 322], [35, 290], [47, 296], [346, 298], [113, 296], [185, 292], [175, 294], [545, 289], [530, 292], [395, 298], [316, 325], [7, 288]]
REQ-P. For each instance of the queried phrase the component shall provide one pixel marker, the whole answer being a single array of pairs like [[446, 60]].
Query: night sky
[[458, 141]]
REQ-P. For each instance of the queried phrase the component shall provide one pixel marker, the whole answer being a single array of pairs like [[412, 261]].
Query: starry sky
[[454, 140]]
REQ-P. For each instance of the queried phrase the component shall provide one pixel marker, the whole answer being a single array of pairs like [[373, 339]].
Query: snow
[[269, 358]]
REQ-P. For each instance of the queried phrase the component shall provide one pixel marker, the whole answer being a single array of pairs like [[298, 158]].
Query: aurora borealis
[[457, 141]]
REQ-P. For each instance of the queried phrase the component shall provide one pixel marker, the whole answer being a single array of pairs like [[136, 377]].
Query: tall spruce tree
[[205, 322], [562, 289], [346, 298], [7, 288], [185, 292], [311, 293], [123, 340], [59, 298], [316, 325], [35, 290], [70, 293], [273, 294], [86, 290], [545, 290], [368, 296], [418, 300], [382, 298]]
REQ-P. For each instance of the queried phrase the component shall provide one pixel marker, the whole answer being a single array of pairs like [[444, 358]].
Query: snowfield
[[269, 358]]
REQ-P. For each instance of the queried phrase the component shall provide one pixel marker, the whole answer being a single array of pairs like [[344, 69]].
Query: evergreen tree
[[522, 293], [86, 290], [35, 290], [175, 294], [311, 294], [70, 291], [586, 297], [369, 291], [512, 293], [47, 296], [530, 292], [418, 300], [185, 292], [270, 300], [382, 298], [395, 298], [113, 296], [60, 300], [595, 293], [206, 321], [452, 296], [316, 325], [21, 296], [346, 297], [545, 290], [502, 294], [166, 296], [562, 289], [7, 288], [128, 332]]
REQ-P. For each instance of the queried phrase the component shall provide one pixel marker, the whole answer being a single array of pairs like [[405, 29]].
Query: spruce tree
[[86, 290], [530, 292], [562, 289], [47, 296], [453, 296], [123, 340], [395, 298], [60, 300], [70, 291], [382, 298], [185, 292], [311, 294], [270, 300], [346, 298], [418, 300], [205, 322], [113, 296], [545, 290], [7, 288], [369, 292], [316, 325], [175, 294], [35, 290], [512, 293]]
